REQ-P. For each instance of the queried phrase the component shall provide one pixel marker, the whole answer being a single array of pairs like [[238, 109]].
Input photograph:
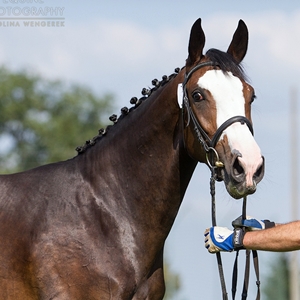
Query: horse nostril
[[258, 172], [258, 175], [237, 168]]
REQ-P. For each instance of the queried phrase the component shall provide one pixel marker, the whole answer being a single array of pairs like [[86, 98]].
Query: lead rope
[[214, 223], [256, 268], [235, 267], [247, 263], [247, 267]]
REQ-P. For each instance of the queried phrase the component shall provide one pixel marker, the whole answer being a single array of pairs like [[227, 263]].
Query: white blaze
[[227, 91]]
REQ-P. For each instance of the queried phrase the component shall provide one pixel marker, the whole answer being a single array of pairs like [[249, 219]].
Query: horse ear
[[196, 43], [239, 44]]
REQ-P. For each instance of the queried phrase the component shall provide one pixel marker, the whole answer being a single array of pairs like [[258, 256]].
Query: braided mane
[[224, 60], [146, 92]]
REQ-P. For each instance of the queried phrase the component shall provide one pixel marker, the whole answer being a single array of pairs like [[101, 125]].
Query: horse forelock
[[146, 93], [226, 62]]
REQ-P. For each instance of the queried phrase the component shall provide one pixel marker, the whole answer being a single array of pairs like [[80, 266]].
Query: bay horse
[[94, 226]]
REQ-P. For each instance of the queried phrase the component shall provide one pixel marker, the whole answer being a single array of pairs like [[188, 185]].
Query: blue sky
[[118, 47]]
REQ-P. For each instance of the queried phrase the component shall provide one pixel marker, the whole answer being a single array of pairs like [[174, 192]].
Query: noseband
[[207, 143]]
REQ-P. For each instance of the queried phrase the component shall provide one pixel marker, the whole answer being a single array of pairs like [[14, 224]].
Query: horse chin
[[236, 190]]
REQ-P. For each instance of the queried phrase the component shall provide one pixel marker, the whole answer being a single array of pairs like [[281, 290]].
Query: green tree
[[43, 121], [172, 282], [277, 282]]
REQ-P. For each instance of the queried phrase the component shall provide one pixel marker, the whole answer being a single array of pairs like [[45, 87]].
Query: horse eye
[[197, 96], [253, 98]]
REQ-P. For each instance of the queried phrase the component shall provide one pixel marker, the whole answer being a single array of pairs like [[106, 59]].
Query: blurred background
[[60, 81]]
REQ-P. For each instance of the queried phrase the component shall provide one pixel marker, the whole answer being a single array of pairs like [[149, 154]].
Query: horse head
[[217, 112]]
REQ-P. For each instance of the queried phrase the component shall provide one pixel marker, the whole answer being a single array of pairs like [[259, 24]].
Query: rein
[[209, 147], [235, 266]]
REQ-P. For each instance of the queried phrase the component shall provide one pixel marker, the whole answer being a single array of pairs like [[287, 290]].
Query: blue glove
[[223, 239], [252, 224]]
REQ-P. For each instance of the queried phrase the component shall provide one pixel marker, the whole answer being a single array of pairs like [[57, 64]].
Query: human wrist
[[238, 238], [269, 224]]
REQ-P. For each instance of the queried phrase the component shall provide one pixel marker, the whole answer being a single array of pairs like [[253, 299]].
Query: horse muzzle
[[241, 179]]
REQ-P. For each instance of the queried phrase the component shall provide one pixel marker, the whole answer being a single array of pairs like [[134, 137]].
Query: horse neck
[[141, 163]]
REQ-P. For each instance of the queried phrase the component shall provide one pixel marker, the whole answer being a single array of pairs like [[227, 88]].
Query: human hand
[[223, 239], [252, 224]]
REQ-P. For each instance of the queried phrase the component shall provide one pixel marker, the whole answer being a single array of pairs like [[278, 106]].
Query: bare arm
[[284, 237]]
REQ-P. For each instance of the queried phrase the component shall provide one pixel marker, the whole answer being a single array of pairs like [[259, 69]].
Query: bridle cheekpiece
[[206, 142]]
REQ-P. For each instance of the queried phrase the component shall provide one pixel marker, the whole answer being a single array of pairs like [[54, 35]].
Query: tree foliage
[[277, 282], [43, 121], [172, 282]]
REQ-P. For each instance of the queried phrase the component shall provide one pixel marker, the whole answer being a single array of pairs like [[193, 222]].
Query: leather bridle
[[209, 145]]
